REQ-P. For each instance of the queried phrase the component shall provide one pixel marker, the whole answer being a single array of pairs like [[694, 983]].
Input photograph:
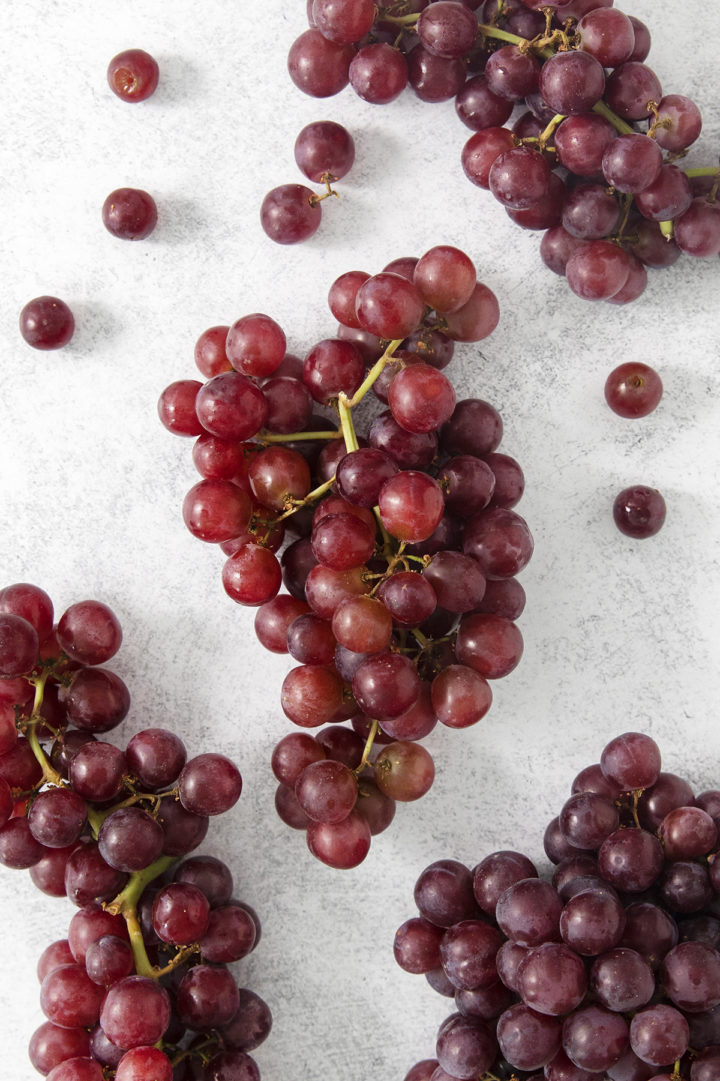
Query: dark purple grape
[[47, 323], [156, 757], [130, 839], [595, 1038], [290, 213], [129, 213], [444, 893], [324, 149], [209, 784], [528, 1039], [551, 979]]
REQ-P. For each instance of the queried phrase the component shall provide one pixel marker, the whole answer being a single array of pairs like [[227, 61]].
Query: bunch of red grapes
[[401, 549], [572, 132], [140, 985], [610, 970]]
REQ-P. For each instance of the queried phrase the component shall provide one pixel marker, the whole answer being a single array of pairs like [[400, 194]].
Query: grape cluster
[[612, 969], [146, 952], [589, 157], [401, 550], [325, 153]]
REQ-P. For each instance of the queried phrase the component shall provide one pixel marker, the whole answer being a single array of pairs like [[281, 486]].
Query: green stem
[[143, 964], [346, 423], [387, 539], [96, 818], [550, 128], [296, 437], [489, 31], [200, 1050], [667, 229], [367, 749], [316, 493], [537, 45], [125, 904], [372, 374], [50, 775], [705, 170], [603, 110], [400, 20]]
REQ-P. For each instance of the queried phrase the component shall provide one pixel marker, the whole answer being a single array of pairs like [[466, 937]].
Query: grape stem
[[345, 407], [635, 798], [620, 125], [367, 748], [392, 562], [549, 129], [50, 775], [326, 179], [346, 423], [373, 373], [96, 818], [316, 493], [201, 1050], [125, 905], [295, 437]]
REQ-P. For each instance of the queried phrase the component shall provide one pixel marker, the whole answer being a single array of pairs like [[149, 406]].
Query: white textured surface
[[619, 634]]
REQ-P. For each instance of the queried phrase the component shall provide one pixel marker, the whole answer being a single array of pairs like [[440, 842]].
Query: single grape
[[135, 1012], [290, 214], [378, 73], [18, 646], [318, 66], [47, 323], [89, 632], [324, 150], [633, 389], [209, 784], [133, 75], [631, 760], [342, 845], [639, 511], [129, 213]]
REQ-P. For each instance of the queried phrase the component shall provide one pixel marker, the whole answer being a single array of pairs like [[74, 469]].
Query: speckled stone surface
[[619, 634]]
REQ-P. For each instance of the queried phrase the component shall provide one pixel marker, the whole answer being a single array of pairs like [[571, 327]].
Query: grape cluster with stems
[[139, 990], [401, 596], [591, 154], [612, 969], [325, 153]]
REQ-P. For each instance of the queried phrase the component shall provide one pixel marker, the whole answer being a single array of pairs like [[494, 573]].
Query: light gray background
[[619, 634]]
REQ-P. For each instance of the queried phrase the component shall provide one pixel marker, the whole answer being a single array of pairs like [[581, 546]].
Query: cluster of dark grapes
[[591, 155], [140, 986], [402, 548], [325, 153], [612, 969], [47, 322]]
